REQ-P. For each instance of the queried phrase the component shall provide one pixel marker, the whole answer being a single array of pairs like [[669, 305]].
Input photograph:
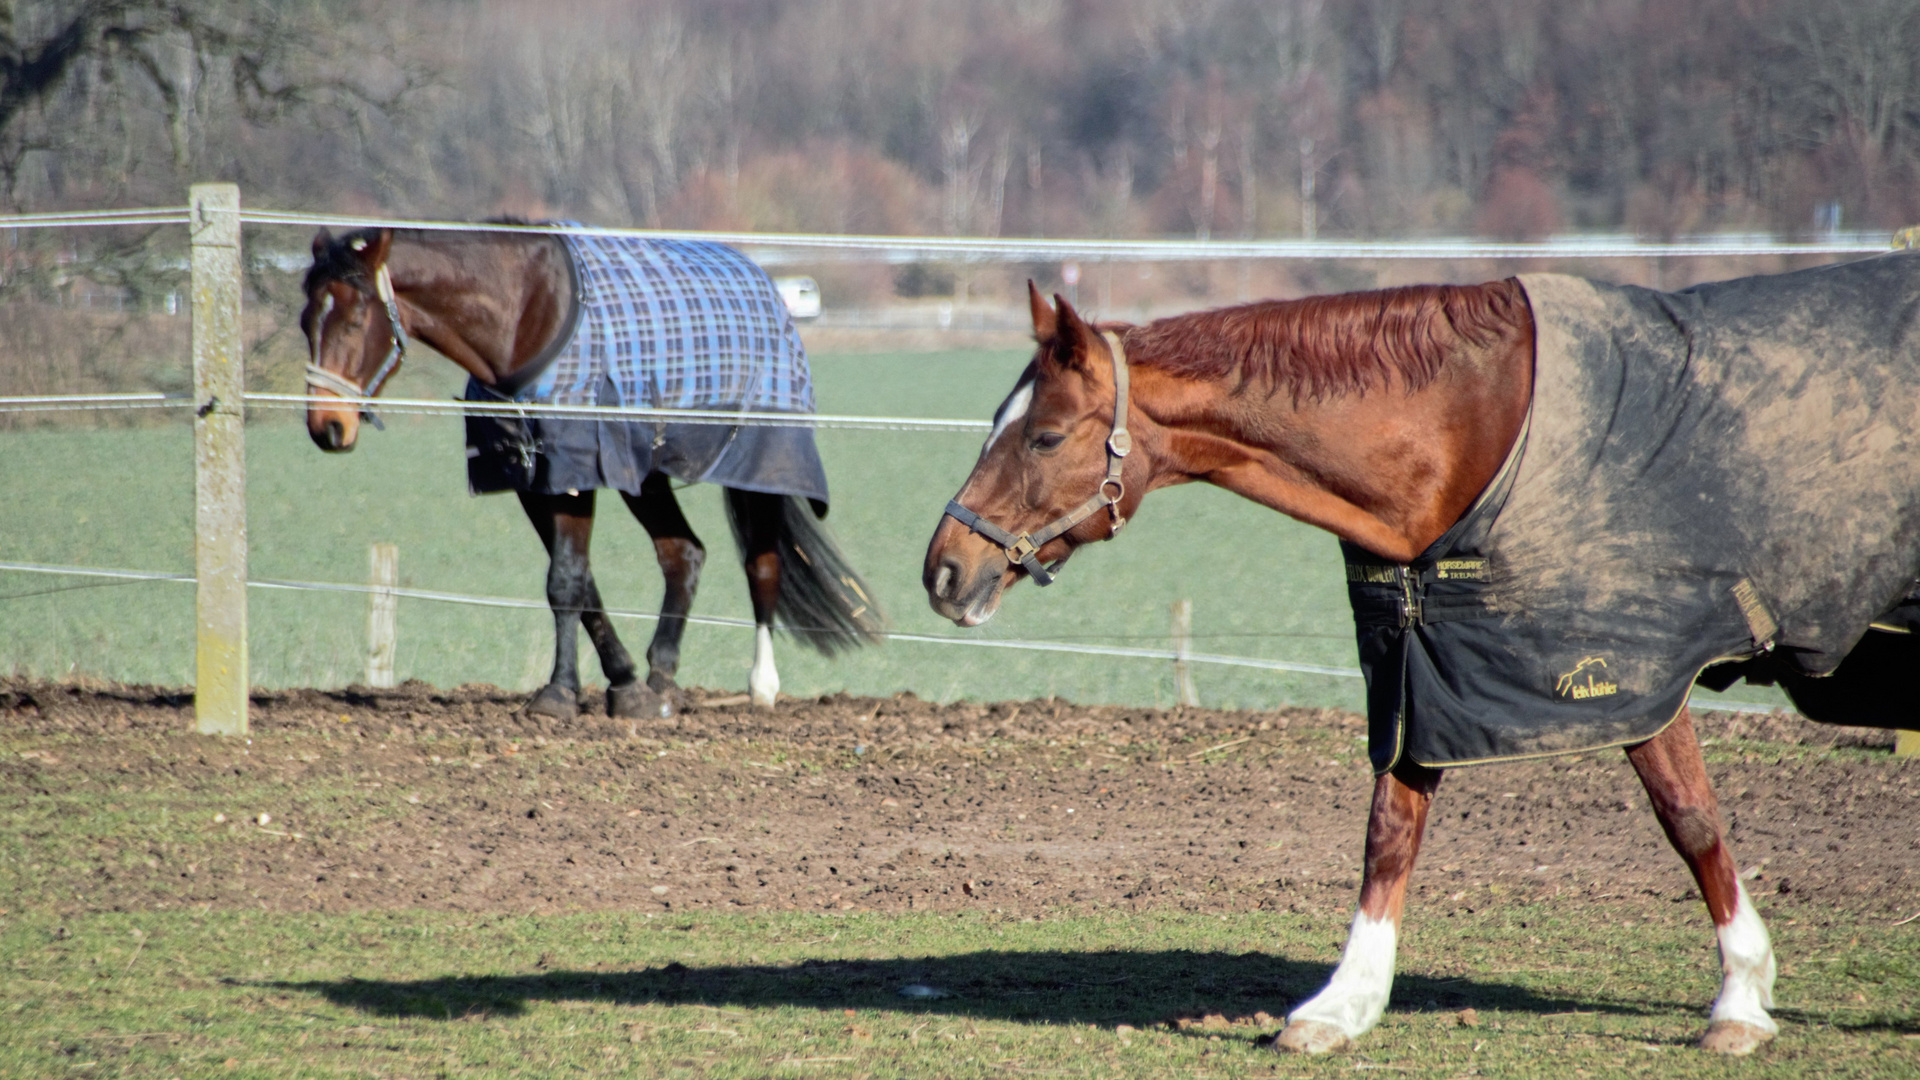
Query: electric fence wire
[[1029, 645], [915, 248], [1128, 652], [423, 407]]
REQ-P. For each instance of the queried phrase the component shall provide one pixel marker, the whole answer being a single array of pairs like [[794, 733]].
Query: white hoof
[[1734, 1038], [1311, 1037]]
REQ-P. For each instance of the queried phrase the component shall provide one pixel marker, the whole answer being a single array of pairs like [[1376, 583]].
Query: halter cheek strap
[[1023, 550], [396, 352]]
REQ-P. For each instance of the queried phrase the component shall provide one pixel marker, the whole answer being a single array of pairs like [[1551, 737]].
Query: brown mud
[[417, 797]]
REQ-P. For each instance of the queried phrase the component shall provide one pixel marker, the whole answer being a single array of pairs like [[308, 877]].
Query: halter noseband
[[396, 352], [1023, 550]]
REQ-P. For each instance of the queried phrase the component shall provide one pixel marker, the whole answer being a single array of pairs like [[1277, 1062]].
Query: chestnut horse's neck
[[490, 302], [1377, 416]]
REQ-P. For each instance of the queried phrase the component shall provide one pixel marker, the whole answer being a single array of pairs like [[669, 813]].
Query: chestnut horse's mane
[[1327, 346]]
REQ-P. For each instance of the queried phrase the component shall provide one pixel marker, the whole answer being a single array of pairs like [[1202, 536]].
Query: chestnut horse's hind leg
[[681, 556], [1356, 995], [757, 516], [1676, 781], [565, 525]]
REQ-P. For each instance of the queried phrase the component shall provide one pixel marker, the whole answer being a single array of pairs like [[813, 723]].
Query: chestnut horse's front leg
[[1356, 995], [1675, 777]]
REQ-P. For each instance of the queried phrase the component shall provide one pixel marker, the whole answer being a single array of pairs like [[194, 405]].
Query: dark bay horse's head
[[1047, 459], [350, 332]]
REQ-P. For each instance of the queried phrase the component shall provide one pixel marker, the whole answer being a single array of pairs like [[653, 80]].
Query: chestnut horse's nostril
[[943, 581]]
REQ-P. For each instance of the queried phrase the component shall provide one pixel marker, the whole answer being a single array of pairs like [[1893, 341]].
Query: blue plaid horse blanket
[[659, 324]]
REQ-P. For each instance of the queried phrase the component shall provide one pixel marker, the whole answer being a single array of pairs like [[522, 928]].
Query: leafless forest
[[1017, 117], [1220, 118]]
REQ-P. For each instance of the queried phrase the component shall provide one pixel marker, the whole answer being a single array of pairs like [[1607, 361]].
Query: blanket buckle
[[1411, 613]]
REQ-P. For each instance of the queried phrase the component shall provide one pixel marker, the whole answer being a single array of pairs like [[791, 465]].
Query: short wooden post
[[1906, 744], [383, 563], [1182, 649], [219, 463]]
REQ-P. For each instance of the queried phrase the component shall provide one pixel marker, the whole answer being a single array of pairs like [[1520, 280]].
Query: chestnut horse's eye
[[1048, 440]]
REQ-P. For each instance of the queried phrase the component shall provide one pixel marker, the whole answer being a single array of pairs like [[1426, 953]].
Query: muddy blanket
[[661, 324], [1726, 475]]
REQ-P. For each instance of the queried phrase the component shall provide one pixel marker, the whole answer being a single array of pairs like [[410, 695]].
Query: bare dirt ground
[[417, 797]]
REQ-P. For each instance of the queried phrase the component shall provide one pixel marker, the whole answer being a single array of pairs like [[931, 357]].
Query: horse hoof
[[661, 683], [554, 702], [1311, 1037], [637, 701], [1733, 1037]]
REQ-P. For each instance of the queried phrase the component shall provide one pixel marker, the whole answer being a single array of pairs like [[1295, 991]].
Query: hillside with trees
[[1510, 118]]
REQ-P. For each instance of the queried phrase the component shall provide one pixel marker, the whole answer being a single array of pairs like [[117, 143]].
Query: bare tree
[[259, 56]]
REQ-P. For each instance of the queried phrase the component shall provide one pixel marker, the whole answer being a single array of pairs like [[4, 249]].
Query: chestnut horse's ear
[[1073, 338], [1046, 325], [322, 240]]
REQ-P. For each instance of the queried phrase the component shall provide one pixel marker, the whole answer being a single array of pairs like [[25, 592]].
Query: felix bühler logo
[[1581, 683]]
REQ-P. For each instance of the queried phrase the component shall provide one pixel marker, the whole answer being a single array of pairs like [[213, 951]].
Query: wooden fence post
[[1182, 649], [383, 564], [219, 463], [1906, 744]]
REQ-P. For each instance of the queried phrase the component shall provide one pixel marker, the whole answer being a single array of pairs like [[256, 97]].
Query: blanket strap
[[1760, 621]]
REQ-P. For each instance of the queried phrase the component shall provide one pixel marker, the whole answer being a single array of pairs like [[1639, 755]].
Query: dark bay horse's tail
[[823, 601]]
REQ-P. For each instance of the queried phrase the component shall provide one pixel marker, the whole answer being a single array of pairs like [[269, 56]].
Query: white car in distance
[[802, 295]]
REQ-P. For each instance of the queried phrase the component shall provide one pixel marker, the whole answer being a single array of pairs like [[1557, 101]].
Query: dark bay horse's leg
[[758, 516], [681, 556], [565, 525], [1675, 777], [1356, 995]]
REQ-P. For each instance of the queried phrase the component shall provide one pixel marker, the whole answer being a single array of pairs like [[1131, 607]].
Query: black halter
[[1024, 550]]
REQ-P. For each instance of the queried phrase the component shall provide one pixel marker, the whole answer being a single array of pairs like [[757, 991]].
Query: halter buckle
[[1021, 550]]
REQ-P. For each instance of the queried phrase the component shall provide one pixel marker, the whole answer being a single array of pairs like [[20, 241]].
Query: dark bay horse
[[495, 303], [1381, 417]]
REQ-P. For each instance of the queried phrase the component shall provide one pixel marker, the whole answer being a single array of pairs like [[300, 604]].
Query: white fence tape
[[979, 248], [1121, 651], [1116, 651]]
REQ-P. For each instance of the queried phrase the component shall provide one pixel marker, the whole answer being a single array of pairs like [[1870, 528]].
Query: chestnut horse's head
[[354, 338], [1056, 471]]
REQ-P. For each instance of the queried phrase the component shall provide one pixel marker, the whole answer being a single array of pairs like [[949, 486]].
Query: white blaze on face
[[1011, 411], [1746, 962], [1356, 996]]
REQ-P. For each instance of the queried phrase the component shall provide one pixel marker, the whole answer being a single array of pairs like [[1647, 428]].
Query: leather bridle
[[318, 376], [1023, 550]]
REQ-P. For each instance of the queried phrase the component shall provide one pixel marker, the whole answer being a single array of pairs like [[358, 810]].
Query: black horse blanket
[[1715, 483], [661, 324]]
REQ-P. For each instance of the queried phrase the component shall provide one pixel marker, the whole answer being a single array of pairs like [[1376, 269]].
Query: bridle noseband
[[1023, 550], [396, 352]]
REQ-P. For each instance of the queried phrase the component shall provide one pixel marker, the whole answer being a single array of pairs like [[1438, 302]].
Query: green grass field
[[1554, 991], [1261, 585]]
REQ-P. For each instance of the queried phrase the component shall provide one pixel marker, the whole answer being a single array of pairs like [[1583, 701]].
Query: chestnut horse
[[1380, 417], [493, 302]]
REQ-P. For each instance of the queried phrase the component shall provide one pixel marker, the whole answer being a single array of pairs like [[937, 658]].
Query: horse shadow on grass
[[1100, 988]]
